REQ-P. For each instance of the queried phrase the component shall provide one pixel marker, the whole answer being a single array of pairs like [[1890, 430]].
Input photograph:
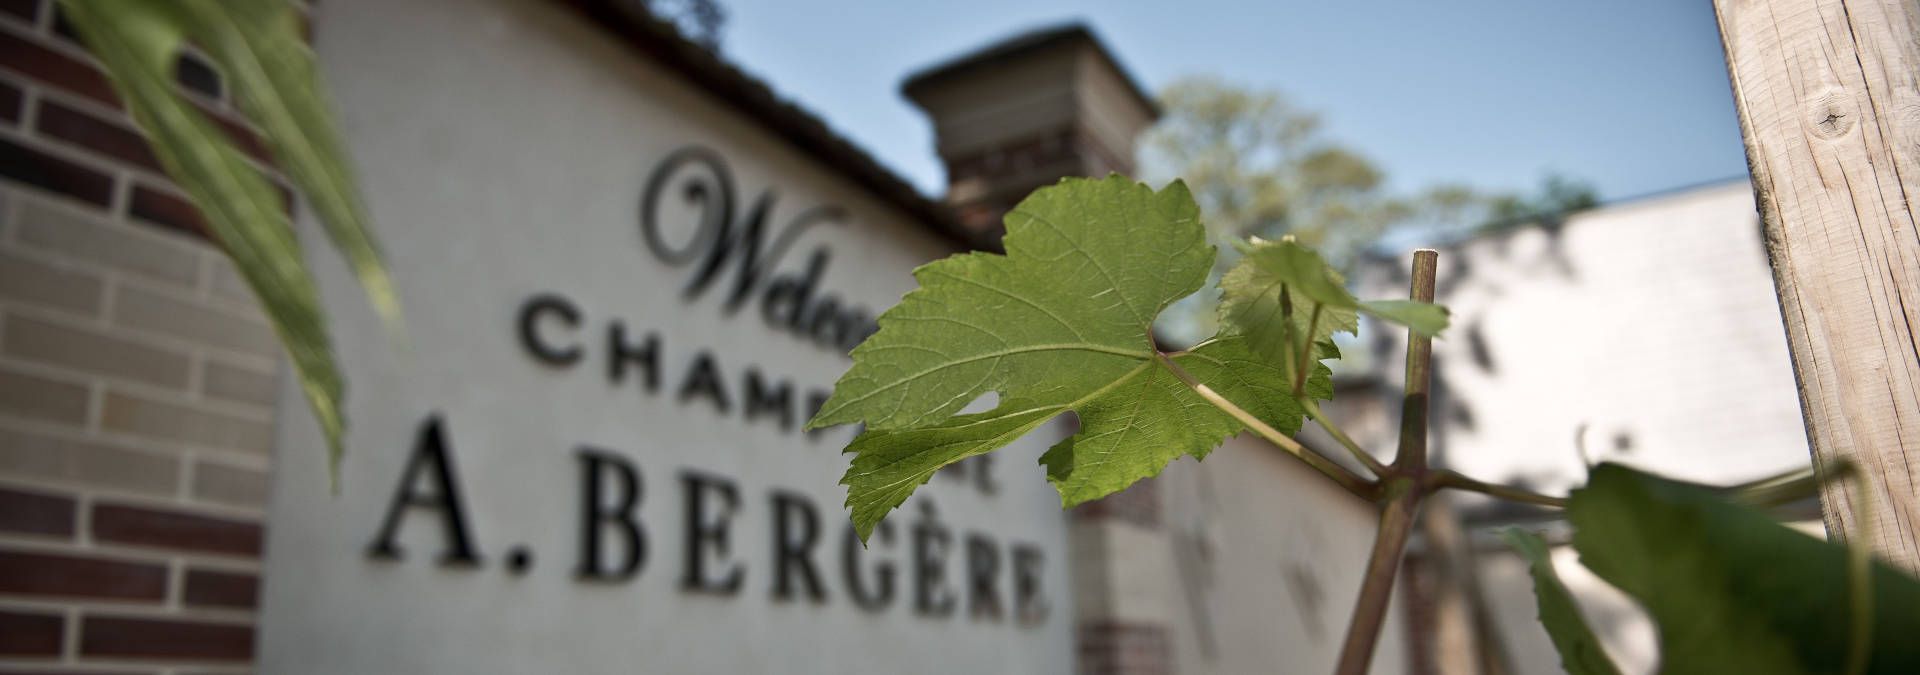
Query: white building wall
[[1651, 325], [504, 146]]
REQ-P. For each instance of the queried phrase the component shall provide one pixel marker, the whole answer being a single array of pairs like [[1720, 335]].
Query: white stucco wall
[[503, 146], [1266, 561], [1651, 325]]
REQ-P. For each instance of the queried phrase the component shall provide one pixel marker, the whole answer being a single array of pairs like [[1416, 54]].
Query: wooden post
[[1828, 93]]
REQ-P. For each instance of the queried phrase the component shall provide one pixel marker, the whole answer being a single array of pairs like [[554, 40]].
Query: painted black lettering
[[787, 297], [931, 596], [605, 506], [764, 399], [880, 594], [432, 460], [714, 197], [1029, 606], [983, 576], [796, 528], [707, 535], [703, 381], [644, 355], [552, 308]]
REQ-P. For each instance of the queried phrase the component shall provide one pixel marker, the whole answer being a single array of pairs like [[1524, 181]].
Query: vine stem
[[1404, 490], [1340, 435], [1306, 351], [1360, 487], [1370, 611], [1459, 481]]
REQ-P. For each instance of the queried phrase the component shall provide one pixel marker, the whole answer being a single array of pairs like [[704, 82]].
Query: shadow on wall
[[1461, 272]]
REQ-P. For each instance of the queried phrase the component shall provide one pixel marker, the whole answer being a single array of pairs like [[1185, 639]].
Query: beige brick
[[35, 282], [42, 398], [172, 421], [149, 254], [37, 456], [94, 351], [227, 484], [226, 283], [188, 320], [222, 380]]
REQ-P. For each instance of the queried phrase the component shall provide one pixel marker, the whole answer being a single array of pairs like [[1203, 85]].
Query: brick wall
[[1119, 548], [137, 382]]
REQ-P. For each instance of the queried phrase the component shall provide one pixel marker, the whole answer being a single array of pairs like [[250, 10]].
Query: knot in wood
[[1829, 116]]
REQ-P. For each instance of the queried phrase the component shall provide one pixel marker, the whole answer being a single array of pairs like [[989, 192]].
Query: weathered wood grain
[[1828, 93]]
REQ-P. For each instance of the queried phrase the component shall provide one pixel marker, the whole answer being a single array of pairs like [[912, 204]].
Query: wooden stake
[[1828, 93]]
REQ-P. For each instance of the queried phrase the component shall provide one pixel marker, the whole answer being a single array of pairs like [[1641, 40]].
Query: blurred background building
[[631, 269]]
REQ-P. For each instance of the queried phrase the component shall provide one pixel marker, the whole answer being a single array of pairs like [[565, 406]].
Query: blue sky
[[1630, 95]]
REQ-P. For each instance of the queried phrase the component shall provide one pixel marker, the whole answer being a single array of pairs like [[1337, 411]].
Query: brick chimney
[[1025, 112]]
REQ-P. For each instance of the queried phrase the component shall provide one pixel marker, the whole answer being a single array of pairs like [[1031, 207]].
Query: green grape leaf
[[1731, 590], [1272, 294], [1580, 650], [259, 46], [1060, 323]]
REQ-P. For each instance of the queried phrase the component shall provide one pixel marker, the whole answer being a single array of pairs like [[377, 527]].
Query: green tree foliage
[[258, 45], [1260, 166], [1557, 197]]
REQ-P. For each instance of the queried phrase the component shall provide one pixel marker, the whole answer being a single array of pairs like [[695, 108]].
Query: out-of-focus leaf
[[1731, 590], [1271, 295], [1252, 304], [1580, 652], [137, 43], [1424, 318], [259, 46]]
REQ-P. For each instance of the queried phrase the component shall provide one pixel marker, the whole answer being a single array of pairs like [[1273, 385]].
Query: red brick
[[25, 10], [11, 101], [29, 634], [62, 28], [35, 60], [40, 169], [242, 135], [24, 573], [166, 210], [1138, 504], [34, 513], [1124, 648], [113, 139], [121, 524], [127, 637], [222, 589]]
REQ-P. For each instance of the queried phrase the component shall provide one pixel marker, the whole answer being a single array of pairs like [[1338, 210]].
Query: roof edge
[[1020, 45], [662, 43]]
